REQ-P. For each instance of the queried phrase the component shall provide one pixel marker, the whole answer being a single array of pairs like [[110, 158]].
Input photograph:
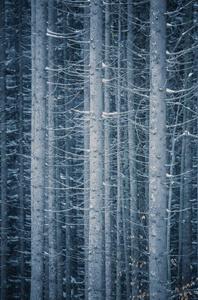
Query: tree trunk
[[51, 154], [86, 142], [68, 21], [119, 181], [188, 153], [132, 153], [170, 198], [181, 205], [96, 154], [157, 153], [3, 156], [107, 162], [68, 197], [38, 147], [19, 72]]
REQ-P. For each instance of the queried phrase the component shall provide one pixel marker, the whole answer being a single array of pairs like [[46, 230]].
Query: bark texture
[[3, 156], [132, 152], [51, 154], [96, 154], [107, 163], [38, 147], [86, 142], [157, 152]]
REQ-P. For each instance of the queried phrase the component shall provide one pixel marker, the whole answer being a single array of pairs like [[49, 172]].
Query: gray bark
[[96, 154], [132, 153], [60, 269], [68, 159], [86, 142], [188, 153], [170, 198], [119, 181], [157, 153], [187, 216], [3, 156], [38, 147], [20, 102], [107, 162], [68, 217], [181, 204], [51, 154], [126, 252]]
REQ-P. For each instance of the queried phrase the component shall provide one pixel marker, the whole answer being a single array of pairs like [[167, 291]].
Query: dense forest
[[99, 149]]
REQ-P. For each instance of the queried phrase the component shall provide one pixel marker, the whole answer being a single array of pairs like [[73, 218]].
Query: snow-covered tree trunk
[[119, 180], [60, 267], [38, 146], [3, 269], [157, 152], [68, 197], [86, 141], [19, 72], [181, 204], [188, 154], [132, 152], [107, 162], [68, 22], [187, 215], [51, 154], [125, 219], [96, 154], [170, 198]]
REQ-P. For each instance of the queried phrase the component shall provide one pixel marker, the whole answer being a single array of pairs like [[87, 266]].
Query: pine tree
[[38, 146], [157, 152], [96, 155]]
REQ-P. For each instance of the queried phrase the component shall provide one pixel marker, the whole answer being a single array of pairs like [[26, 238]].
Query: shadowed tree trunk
[[51, 154], [3, 156], [188, 153], [20, 102], [38, 147]]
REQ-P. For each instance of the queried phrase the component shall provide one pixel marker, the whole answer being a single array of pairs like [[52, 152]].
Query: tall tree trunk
[[126, 217], [69, 183], [96, 154], [19, 51], [86, 141], [51, 154], [181, 204], [38, 147], [170, 198], [119, 183], [157, 152], [132, 152], [3, 156], [107, 162], [187, 187], [187, 216], [60, 269], [68, 19]]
